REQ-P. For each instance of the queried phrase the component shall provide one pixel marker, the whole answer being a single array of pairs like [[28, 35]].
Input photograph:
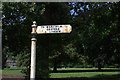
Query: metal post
[[33, 52]]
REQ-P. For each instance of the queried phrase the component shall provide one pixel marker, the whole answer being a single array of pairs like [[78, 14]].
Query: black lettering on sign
[[65, 26], [53, 31]]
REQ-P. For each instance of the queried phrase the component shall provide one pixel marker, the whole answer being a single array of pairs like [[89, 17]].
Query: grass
[[86, 75], [13, 71], [17, 71], [0, 71]]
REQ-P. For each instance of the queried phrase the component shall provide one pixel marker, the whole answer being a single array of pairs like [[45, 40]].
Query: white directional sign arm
[[54, 29]]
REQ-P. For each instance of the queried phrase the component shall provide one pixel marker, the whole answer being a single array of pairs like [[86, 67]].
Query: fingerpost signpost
[[45, 29]]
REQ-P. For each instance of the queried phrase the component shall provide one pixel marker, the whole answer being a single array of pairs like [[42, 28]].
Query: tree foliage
[[94, 37]]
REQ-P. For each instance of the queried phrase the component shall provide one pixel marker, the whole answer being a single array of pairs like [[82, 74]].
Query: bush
[[7, 66], [116, 65], [105, 66], [83, 66], [89, 66], [79, 66]]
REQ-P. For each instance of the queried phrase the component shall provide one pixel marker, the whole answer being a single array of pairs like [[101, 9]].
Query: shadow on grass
[[115, 76], [61, 79], [97, 77]]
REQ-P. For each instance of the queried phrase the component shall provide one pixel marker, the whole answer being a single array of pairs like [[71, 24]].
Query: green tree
[[99, 23], [17, 21]]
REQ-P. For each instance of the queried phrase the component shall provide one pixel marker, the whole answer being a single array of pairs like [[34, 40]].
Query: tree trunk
[[55, 66], [99, 66], [3, 61]]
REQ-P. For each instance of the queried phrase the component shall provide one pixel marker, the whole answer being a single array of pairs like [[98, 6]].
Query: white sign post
[[33, 52], [43, 30]]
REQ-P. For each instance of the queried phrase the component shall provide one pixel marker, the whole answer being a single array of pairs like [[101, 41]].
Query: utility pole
[[33, 51]]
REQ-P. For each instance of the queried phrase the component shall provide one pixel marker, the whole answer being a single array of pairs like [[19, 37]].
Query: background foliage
[[93, 42]]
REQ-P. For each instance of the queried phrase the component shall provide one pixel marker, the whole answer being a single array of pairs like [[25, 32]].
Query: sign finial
[[34, 22], [34, 27]]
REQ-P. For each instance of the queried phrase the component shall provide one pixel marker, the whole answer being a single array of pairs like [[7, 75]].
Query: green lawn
[[0, 71], [17, 71], [13, 71], [86, 74]]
